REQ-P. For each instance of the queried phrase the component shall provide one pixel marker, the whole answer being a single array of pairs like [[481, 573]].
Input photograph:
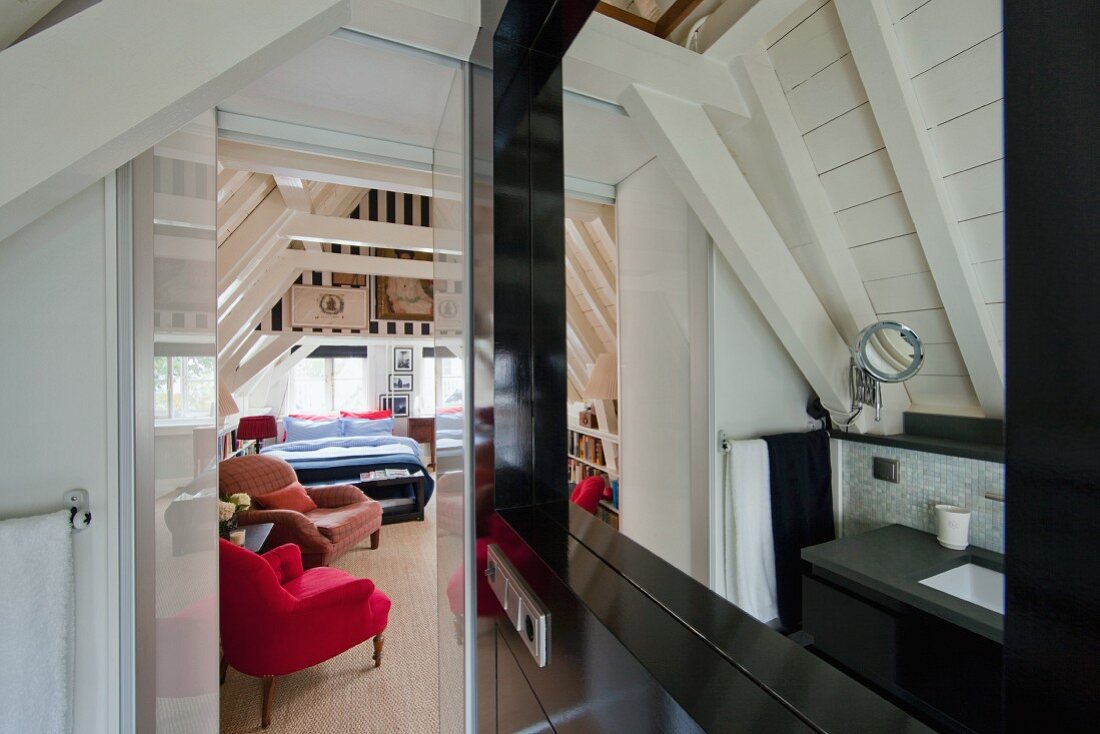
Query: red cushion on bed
[[314, 416], [291, 497], [371, 415]]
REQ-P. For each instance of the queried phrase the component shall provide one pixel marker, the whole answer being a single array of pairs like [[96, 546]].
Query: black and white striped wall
[[376, 206]]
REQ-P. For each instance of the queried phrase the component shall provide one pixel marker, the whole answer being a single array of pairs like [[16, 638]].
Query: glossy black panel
[[1052, 515], [823, 695], [512, 289], [517, 707], [549, 472], [617, 661]]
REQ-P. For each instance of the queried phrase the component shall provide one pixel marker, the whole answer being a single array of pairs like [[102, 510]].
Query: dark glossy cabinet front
[[940, 671]]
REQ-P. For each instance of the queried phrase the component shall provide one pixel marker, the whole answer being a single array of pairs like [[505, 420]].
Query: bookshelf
[[593, 452]]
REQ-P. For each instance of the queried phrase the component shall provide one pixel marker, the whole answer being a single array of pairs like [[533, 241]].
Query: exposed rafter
[[236, 208], [344, 231], [578, 323], [838, 280], [294, 193], [690, 149], [652, 19], [586, 294], [287, 362], [230, 361], [607, 56], [314, 167], [229, 180], [358, 264], [243, 252], [579, 244], [577, 347], [80, 70], [878, 58], [242, 316], [243, 378], [733, 29]]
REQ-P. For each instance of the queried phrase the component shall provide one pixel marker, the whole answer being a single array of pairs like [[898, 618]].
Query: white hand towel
[[36, 625], [748, 569]]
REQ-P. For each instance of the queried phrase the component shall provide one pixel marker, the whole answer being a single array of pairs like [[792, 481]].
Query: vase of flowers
[[228, 507]]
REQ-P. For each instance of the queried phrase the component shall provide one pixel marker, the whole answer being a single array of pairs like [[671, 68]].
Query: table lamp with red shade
[[257, 427]]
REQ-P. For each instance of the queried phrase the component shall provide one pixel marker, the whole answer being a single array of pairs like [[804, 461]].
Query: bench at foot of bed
[[402, 499]]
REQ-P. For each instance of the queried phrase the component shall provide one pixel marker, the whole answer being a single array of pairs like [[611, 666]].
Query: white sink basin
[[972, 583]]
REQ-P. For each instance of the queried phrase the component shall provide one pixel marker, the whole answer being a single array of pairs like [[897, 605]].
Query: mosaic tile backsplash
[[925, 480]]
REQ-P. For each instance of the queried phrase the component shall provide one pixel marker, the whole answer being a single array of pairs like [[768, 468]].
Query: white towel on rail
[[746, 565], [36, 625]]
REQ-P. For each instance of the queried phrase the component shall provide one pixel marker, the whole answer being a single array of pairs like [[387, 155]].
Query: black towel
[[802, 511]]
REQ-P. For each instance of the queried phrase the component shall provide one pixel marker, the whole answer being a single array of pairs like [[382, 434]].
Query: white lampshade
[[604, 382]]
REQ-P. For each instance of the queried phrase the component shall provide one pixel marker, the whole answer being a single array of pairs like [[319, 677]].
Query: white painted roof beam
[[358, 264], [738, 25], [608, 56], [294, 193], [191, 54], [842, 290], [878, 58], [243, 378], [282, 161], [694, 155]]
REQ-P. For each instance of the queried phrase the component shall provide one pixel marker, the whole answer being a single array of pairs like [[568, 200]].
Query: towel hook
[[77, 502]]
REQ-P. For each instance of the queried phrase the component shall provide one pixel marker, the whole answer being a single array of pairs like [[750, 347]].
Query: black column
[[1052, 118], [529, 251]]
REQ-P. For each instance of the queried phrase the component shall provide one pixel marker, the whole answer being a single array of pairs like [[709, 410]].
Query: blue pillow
[[298, 429], [367, 426]]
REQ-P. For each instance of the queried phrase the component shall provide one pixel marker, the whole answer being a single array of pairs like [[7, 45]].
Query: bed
[[343, 458]]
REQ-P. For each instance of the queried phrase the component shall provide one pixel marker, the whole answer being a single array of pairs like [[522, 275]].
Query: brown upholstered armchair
[[344, 515]]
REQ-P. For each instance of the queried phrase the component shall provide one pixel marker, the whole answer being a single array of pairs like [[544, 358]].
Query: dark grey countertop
[[892, 560]]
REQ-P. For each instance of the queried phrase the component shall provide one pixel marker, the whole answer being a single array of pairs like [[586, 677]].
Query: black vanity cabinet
[[896, 638]]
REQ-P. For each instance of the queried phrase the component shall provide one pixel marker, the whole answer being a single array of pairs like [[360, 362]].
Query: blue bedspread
[[357, 453]]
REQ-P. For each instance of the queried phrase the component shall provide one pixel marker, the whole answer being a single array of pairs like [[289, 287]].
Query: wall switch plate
[[525, 611], [885, 469]]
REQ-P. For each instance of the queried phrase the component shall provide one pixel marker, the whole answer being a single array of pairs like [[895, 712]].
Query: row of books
[[588, 448], [579, 471]]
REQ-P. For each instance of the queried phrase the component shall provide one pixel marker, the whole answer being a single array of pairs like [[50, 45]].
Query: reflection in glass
[[182, 423]]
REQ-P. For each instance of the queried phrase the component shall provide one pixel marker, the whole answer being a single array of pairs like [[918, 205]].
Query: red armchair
[[277, 618], [343, 518], [588, 493]]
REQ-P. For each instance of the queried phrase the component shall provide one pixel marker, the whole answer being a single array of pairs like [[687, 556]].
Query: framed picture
[[403, 299], [401, 383], [321, 306], [398, 404], [402, 359]]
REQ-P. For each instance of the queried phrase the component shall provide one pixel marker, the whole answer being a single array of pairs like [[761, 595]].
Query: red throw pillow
[[371, 415], [313, 416], [291, 497]]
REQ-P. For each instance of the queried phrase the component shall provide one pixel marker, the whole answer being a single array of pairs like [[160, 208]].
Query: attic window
[[183, 387]]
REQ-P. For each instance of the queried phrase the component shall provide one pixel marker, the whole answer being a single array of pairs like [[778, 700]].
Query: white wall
[[758, 389], [696, 356], [663, 342], [59, 429]]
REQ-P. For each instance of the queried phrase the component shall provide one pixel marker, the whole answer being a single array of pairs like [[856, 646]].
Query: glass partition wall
[[453, 477], [169, 268]]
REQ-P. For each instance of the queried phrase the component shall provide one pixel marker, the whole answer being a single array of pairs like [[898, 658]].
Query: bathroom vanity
[[914, 620]]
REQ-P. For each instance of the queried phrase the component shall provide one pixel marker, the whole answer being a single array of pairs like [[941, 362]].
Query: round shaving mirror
[[889, 351]]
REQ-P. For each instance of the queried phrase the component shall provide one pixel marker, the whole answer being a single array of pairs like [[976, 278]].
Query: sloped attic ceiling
[[952, 55]]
